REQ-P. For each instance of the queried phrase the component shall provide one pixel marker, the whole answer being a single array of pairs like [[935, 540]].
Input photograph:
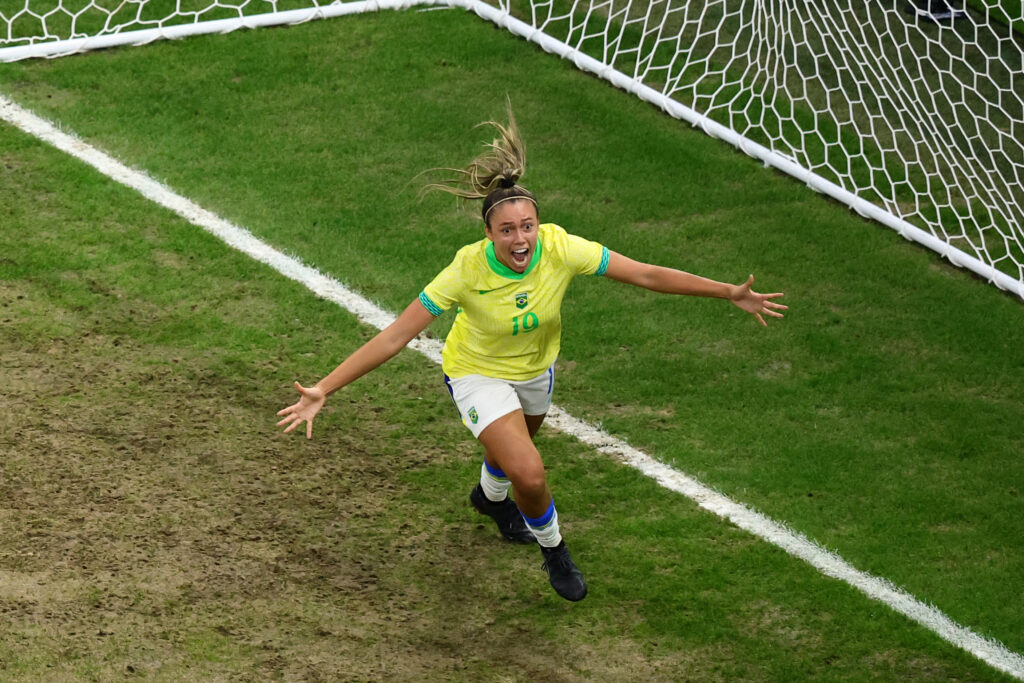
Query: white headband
[[517, 196]]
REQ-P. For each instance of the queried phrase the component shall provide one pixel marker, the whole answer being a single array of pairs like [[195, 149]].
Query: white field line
[[776, 533]]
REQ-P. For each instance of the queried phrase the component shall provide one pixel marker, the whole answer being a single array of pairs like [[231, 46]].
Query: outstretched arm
[[371, 355], [672, 281]]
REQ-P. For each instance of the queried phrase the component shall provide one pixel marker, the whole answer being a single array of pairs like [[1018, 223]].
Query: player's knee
[[531, 480]]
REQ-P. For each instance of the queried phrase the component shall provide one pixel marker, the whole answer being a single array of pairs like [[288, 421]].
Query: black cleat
[[565, 577], [505, 514]]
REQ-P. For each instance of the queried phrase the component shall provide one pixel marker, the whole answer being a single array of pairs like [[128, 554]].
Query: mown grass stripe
[[776, 533]]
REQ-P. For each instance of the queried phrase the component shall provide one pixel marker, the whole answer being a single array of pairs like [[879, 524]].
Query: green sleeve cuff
[[605, 257], [429, 304]]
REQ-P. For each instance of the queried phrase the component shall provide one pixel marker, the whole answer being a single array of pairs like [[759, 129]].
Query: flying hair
[[494, 174]]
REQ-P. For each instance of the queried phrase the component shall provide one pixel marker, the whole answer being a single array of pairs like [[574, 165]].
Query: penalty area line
[[828, 563]]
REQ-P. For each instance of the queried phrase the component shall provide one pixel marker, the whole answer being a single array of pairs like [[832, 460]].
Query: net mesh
[[920, 115], [923, 118]]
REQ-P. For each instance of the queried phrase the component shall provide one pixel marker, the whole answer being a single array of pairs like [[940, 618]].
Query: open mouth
[[520, 256]]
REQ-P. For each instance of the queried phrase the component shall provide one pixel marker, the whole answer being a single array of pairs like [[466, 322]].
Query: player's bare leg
[[509, 448]]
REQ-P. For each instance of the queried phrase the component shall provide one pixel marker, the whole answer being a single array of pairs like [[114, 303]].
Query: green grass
[[881, 418]]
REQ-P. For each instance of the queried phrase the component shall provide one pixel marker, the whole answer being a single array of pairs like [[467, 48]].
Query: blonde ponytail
[[493, 175]]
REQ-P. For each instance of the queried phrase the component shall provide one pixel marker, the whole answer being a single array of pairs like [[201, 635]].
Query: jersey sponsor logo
[[487, 291], [522, 300]]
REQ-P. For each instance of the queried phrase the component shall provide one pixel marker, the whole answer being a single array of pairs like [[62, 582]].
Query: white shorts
[[481, 400]]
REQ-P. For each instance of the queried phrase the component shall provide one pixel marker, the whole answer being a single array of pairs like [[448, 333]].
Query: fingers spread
[[295, 420]]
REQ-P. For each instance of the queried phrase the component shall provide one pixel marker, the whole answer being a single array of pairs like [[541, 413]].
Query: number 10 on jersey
[[529, 323]]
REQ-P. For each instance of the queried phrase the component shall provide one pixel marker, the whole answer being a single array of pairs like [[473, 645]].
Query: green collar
[[501, 269]]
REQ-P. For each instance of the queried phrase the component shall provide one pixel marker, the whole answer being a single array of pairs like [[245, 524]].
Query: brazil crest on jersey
[[509, 324]]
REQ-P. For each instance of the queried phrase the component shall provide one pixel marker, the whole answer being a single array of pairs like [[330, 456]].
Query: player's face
[[513, 229]]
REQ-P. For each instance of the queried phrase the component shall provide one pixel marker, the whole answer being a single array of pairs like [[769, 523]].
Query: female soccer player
[[498, 358]]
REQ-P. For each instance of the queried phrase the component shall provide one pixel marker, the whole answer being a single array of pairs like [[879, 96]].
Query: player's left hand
[[757, 304]]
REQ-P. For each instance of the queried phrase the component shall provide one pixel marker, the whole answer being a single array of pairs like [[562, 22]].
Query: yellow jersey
[[509, 324]]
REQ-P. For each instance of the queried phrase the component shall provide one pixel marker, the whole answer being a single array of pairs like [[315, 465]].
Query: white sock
[[545, 527], [494, 483]]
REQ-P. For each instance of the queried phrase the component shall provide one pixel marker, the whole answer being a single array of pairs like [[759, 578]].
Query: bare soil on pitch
[[156, 525]]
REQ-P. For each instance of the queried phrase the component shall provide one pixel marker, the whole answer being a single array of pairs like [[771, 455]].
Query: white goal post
[[914, 123]]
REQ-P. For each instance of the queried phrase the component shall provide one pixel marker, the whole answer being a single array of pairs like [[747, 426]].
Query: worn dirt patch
[[156, 524]]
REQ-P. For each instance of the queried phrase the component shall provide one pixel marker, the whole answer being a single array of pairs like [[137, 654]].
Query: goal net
[[915, 123]]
